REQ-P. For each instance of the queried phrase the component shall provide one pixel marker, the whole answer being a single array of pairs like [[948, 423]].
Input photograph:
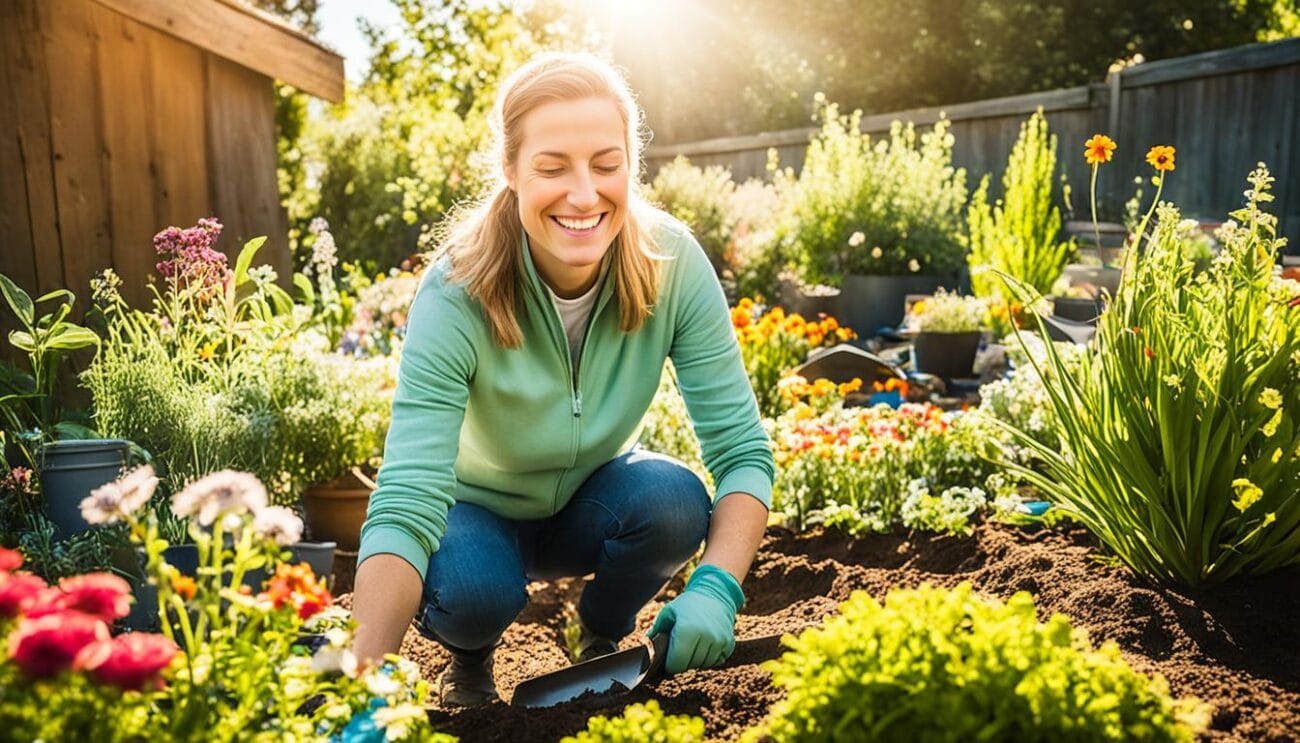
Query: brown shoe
[[468, 681]]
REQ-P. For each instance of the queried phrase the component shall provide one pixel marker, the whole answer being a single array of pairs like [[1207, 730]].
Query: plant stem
[[1092, 199]]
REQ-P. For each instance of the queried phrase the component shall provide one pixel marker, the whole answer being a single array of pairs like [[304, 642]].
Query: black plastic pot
[[867, 303], [1078, 309], [69, 470], [946, 355]]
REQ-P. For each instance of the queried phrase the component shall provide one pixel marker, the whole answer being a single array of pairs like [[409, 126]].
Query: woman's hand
[[702, 620]]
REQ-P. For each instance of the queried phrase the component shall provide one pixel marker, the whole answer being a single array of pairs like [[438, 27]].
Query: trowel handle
[[658, 655]]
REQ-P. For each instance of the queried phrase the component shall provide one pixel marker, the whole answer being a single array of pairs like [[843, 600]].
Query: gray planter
[[946, 355], [869, 303], [69, 470]]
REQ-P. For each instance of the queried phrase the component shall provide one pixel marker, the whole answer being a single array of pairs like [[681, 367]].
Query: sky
[[339, 29]]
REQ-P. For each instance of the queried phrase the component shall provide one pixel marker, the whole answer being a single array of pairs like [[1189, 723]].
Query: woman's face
[[571, 176]]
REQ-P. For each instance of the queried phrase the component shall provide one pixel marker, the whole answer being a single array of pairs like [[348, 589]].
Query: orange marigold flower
[[741, 318], [1161, 157], [1098, 149], [184, 586], [1137, 330]]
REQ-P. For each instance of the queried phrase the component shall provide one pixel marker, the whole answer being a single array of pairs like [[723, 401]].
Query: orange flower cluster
[[750, 330], [795, 389], [297, 586], [1161, 157]]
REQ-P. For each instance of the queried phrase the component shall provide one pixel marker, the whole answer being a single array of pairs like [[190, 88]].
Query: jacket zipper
[[574, 371]]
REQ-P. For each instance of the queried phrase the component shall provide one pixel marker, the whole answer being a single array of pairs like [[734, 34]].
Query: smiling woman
[[534, 347]]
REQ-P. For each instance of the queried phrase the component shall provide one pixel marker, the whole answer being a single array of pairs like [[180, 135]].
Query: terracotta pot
[[336, 509]]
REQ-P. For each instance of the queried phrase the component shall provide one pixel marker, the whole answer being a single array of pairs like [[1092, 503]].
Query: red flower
[[131, 661], [44, 646], [19, 592], [1294, 303], [10, 560], [100, 595], [1149, 353]]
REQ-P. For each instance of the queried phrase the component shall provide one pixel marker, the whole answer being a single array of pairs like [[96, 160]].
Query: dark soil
[[1235, 646]]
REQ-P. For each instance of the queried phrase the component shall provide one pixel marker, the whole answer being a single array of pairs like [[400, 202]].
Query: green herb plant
[[934, 664]]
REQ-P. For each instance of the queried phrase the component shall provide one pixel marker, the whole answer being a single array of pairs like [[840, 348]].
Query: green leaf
[[23, 341], [71, 337], [246, 258], [280, 299], [70, 297], [64, 430], [304, 285], [19, 301]]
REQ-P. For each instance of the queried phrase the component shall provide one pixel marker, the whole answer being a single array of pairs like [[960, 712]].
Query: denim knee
[[472, 612], [674, 504]]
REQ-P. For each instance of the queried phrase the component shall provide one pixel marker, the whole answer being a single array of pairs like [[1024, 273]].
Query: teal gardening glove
[[702, 620]]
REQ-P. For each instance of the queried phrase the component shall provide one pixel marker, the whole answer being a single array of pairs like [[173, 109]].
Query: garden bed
[[1235, 646]]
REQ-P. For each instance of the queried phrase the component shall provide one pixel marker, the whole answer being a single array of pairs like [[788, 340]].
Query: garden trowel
[[620, 672]]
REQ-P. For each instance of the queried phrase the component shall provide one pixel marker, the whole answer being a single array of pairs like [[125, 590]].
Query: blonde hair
[[483, 239]]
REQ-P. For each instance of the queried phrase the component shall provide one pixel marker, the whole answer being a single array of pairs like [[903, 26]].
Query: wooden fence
[[1224, 111]]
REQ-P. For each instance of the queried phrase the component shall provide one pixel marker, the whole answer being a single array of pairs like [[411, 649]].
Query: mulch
[[1235, 646]]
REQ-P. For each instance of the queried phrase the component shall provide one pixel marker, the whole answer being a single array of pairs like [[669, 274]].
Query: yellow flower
[[1161, 157], [1277, 455], [1098, 149], [1270, 428], [1270, 398], [1248, 494], [209, 349]]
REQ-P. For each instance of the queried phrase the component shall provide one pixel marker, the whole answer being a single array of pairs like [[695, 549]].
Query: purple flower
[[190, 261]]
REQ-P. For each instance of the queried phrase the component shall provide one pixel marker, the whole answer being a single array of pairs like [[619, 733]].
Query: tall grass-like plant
[[1017, 235], [1181, 448]]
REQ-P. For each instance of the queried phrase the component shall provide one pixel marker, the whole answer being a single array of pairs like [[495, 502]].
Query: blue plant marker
[[893, 398], [1036, 507]]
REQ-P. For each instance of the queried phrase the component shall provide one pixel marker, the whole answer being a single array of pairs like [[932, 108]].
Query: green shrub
[[862, 207], [933, 664], [698, 197], [641, 723], [1182, 434], [1017, 235]]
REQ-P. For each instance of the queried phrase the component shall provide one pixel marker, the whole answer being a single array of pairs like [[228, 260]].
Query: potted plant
[[880, 220], [948, 330], [69, 458]]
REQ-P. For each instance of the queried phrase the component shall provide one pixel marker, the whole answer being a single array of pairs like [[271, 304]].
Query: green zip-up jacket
[[516, 431]]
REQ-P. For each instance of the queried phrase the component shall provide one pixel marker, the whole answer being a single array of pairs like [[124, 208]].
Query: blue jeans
[[633, 523]]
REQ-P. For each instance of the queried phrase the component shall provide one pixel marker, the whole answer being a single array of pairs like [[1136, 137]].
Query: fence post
[[1113, 118]]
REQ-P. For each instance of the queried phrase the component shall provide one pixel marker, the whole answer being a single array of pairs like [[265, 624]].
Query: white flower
[[380, 684], [396, 721], [876, 252], [330, 659], [913, 265], [218, 494], [278, 523], [119, 498], [856, 239]]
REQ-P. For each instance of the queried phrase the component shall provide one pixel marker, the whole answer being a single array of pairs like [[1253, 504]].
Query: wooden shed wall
[[111, 130]]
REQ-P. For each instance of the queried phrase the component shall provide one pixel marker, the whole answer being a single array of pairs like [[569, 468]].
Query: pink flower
[[19, 592], [131, 661], [10, 560], [47, 645], [103, 596]]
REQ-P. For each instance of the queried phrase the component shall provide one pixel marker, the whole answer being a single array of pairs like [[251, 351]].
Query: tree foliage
[[761, 62]]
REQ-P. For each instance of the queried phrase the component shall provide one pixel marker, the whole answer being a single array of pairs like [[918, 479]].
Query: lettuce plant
[[934, 664]]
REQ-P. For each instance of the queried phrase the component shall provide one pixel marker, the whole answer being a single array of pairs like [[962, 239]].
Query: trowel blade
[[615, 672]]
